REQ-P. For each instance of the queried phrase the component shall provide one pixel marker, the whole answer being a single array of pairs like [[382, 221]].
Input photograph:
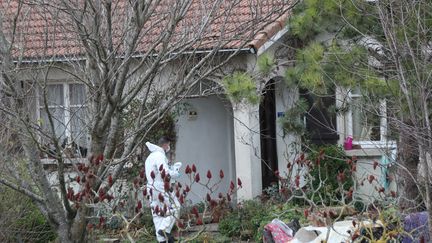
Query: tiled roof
[[43, 32]]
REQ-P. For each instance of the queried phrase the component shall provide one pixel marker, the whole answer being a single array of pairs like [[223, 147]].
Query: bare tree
[[112, 54]]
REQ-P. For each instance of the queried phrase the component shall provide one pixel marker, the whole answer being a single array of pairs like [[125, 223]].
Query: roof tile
[[44, 32]]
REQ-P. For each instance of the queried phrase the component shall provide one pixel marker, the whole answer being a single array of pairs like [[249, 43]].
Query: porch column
[[247, 150]]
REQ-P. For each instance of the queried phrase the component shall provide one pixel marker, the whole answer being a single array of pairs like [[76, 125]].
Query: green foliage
[[240, 86], [308, 72], [253, 215], [21, 220], [265, 63], [319, 67], [333, 163], [285, 212]]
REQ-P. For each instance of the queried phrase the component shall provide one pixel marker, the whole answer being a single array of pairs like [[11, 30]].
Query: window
[[66, 103], [366, 119]]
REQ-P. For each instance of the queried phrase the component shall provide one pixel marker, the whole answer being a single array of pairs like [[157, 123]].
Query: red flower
[[161, 167], [353, 168], [213, 204], [98, 159], [350, 193], [355, 236], [220, 195], [180, 224], [341, 177], [161, 197], [135, 182], [177, 193], [232, 186], [151, 192], [289, 165], [152, 175], [197, 177], [187, 189], [80, 166], [181, 199], [393, 193], [188, 170], [302, 156], [70, 193], [145, 192], [297, 181], [139, 206], [375, 164], [306, 213], [163, 174], [167, 186], [332, 214], [228, 197], [194, 168], [371, 178], [110, 180], [239, 182], [221, 174], [277, 174], [381, 190], [195, 211], [101, 220], [142, 173], [208, 197], [78, 179], [199, 221], [209, 175]]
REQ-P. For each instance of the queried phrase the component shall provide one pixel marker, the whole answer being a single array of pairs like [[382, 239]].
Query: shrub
[[332, 162], [248, 219], [21, 220]]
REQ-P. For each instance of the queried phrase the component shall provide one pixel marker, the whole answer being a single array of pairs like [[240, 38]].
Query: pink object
[[348, 143], [278, 231]]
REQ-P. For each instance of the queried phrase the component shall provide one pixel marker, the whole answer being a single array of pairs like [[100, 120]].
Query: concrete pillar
[[288, 144], [247, 150]]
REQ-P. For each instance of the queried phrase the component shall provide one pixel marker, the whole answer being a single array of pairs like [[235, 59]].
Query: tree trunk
[[78, 228], [408, 157], [63, 232]]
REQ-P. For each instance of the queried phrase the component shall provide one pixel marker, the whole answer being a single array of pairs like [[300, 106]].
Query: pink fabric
[[278, 234]]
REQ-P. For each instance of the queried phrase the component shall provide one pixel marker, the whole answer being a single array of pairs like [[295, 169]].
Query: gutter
[[250, 49]]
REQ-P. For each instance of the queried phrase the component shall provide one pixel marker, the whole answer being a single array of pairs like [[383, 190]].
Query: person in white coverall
[[155, 164]]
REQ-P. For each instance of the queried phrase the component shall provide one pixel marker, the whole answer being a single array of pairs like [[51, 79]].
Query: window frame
[[384, 142], [66, 107]]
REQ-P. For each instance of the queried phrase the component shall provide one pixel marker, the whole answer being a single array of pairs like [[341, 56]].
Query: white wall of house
[[206, 140], [247, 150], [287, 144]]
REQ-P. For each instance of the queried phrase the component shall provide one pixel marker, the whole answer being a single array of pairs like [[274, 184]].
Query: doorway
[[267, 116]]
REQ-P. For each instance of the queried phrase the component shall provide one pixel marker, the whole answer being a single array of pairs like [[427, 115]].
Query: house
[[244, 140]]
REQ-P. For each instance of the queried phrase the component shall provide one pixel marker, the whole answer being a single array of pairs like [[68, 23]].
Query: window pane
[[55, 95], [58, 120], [78, 126], [77, 94], [366, 121]]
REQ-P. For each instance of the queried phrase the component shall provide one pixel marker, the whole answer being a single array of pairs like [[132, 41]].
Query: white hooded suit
[[153, 163]]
